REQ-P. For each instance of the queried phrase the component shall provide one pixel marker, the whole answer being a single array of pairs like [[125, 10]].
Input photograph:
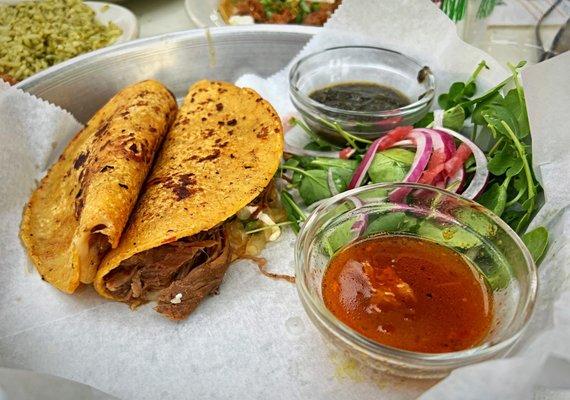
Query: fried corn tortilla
[[82, 205], [220, 154]]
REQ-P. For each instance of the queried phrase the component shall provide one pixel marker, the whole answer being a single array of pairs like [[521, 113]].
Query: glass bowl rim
[[370, 347], [313, 104]]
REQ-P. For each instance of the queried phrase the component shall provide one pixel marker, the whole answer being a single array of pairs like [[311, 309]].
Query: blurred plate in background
[[204, 13], [119, 15]]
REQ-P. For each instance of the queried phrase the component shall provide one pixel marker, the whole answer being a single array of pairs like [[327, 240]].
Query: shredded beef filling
[[178, 274]]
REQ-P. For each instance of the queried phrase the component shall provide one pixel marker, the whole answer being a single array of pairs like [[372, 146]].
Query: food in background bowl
[[37, 35], [242, 12]]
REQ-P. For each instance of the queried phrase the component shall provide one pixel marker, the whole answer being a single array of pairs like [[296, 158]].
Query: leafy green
[[536, 241], [494, 198], [512, 191], [390, 165], [339, 236], [452, 235], [313, 184], [293, 211], [325, 163], [460, 92], [391, 222], [453, 118]]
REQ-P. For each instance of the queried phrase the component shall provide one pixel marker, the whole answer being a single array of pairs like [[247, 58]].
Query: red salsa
[[409, 293]]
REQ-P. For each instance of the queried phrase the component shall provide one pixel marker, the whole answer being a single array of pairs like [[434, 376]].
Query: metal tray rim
[[171, 37]]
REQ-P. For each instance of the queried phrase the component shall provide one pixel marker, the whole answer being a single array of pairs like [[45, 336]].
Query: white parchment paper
[[253, 340]]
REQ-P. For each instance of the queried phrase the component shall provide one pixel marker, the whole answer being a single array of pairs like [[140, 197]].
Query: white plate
[[105, 13], [204, 13], [119, 15]]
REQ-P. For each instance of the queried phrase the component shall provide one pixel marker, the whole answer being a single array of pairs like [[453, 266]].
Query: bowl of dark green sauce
[[366, 91]]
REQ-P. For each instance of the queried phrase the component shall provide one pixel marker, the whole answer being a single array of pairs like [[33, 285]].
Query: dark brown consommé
[[360, 96], [409, 293]]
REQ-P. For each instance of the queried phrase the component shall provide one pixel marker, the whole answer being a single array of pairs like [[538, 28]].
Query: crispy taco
[[219, 157], [82, 205]]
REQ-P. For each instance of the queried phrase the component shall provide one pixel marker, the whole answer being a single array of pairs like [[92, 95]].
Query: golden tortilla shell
[[221, 152], [83, 203]]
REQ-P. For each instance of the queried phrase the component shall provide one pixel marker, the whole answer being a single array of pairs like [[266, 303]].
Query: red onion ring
[[424, 147], [477, 184], [361, 222], [362, 168]]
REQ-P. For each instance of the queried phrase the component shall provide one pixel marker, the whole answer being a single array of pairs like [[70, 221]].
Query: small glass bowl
[[360, 64], [427, 212]]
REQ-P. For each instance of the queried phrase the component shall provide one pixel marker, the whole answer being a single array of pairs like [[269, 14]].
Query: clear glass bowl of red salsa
[[345, 229]]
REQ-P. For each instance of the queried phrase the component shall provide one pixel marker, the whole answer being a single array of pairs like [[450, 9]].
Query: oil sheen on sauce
[[409, 293], [360, 96]]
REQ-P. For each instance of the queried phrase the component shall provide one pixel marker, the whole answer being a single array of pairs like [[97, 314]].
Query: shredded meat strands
[[262, 263], [193, 267], [182, 273]]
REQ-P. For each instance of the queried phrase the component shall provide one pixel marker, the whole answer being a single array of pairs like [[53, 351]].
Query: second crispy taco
[[219, 156]]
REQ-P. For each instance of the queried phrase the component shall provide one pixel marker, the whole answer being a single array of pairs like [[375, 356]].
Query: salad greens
[[497, 116], [300, 8]]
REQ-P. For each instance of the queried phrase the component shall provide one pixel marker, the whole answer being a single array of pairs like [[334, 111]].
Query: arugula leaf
[[452, 235], [514, 102], [460, 93], [341, 178], [391, 222], [477, 117], [494, 198], [505, 160], [325, 163], [314, 186], [476, 221], [339, 236], [293, 211], [454, 118], [536, 241], [390, 165]]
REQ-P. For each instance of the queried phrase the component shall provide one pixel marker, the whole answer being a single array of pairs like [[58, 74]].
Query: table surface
[[505, 43]]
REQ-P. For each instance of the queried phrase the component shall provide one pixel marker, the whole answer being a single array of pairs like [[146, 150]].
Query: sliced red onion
[[449, 144], [424, 148], [299, 151], [440, 184], [438, 153], [477, 184], [404, 143], [362, 168], [330, 182], [361, 222]]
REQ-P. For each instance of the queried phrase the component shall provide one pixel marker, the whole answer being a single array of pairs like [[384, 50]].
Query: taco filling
[[178, 275]]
